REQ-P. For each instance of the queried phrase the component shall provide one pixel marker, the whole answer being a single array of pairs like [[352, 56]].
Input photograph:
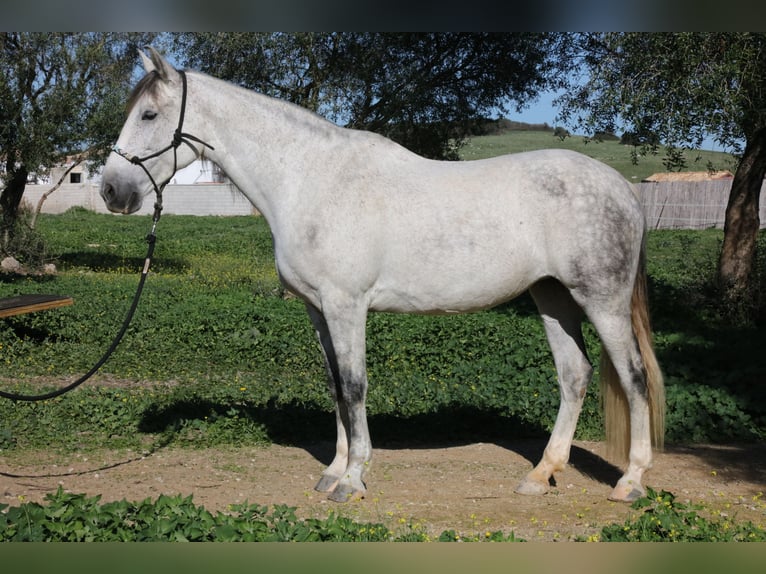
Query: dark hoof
[[326, 483], [345, 493], [627, 493]]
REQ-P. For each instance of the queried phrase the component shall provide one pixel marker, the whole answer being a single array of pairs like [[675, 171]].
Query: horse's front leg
[[342, 336]]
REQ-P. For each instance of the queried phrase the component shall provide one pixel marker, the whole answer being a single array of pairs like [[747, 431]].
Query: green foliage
[[229, 358], [702, 413], [401, 85], [663, 519], [66, 517], [78, 518], [673, 87], [26, 245], [712, 367], [60, 94], [140, 418]]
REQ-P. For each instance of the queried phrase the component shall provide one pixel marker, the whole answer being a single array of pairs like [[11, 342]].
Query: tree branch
[[77, 161]]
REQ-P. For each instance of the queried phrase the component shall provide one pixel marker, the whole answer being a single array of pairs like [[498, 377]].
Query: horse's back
[[469, 235], [533, 200]]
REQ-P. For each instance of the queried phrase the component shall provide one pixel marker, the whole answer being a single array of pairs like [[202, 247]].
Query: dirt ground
[[468, 488]]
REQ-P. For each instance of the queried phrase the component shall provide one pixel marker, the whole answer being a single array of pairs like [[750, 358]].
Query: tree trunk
[[10, 199], [737, 261]]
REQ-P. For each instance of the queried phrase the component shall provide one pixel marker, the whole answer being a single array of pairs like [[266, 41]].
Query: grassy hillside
[[610, 152]]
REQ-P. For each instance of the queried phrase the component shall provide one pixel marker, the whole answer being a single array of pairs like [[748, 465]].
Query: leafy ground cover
[[218, 345], [79, 518], [75, 517], [663, 518]]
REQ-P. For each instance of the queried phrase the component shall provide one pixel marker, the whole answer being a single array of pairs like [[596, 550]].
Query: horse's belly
[[458, 269], [434, 293]]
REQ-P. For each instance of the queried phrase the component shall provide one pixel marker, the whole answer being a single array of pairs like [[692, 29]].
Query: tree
[[424, 90], [60, 93], [676, 88]]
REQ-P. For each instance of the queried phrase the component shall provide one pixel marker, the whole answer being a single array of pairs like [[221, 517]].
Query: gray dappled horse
[[361, 224]]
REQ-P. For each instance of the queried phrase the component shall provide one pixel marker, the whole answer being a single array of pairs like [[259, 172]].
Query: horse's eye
[[149, 115]]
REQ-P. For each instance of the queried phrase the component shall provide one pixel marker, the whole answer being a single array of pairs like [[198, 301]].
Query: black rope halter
[[179, 137]]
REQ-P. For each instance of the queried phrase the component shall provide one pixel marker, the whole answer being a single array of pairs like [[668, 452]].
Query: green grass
[[222, 352], [610, 152]]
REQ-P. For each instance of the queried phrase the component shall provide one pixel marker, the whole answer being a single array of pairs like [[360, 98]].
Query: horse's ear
[[155, 62], [146, 61]]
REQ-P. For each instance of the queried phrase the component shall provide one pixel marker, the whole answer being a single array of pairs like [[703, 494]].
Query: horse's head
[[145, 154]]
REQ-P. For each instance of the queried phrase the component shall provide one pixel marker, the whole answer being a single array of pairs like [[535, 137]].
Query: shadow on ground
[[313, 430]]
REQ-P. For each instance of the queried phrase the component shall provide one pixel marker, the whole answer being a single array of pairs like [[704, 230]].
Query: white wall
[[209, 199], [676, 205]]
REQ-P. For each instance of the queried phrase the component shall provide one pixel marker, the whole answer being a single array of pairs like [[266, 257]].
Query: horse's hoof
[[629, 492], [345, 493], [532, 487], [326, 484]]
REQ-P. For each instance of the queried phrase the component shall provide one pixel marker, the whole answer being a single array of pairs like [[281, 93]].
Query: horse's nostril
[[107, 191]]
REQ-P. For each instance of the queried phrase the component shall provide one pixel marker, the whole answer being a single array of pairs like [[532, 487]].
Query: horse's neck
[[262, 144]]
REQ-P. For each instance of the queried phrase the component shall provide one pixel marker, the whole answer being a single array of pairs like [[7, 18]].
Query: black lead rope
[[179, 137], [151, 239]]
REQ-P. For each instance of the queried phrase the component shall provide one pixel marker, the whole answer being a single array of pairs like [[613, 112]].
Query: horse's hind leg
[[342, 336], [619, 341], [562, 319]]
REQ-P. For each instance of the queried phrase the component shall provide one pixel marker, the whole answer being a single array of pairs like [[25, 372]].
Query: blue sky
[[539, 112], [543, 111]]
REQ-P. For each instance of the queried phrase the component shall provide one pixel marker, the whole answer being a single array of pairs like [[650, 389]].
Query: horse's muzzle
[[117, 203]]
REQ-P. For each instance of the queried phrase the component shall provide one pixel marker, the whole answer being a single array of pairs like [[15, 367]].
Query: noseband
[[179, 137]]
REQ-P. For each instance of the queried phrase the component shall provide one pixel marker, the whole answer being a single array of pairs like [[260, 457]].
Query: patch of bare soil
[[468, 488]]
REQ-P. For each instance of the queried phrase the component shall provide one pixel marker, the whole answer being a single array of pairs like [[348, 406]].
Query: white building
[[199, 189], [199, 172]]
